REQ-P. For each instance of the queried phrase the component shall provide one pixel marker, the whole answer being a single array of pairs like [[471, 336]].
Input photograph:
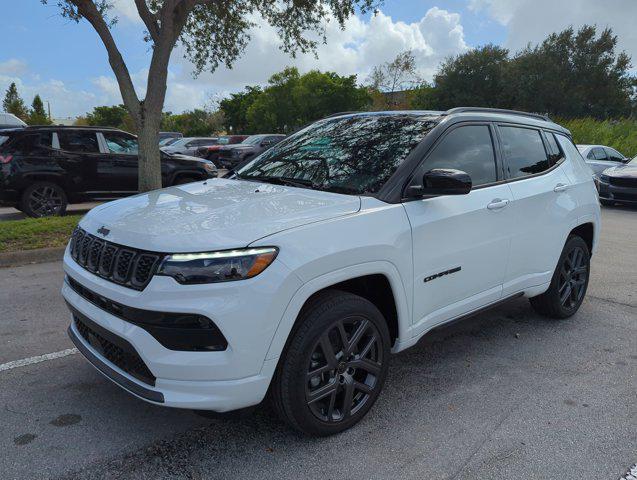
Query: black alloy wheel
[[573, 277], [334, 365], [569, 283], [43, 199], [343, 369]]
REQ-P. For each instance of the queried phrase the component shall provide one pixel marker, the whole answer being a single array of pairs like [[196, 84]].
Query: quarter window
[[78, 141], [524, 151], [469, 149], [32, 143]]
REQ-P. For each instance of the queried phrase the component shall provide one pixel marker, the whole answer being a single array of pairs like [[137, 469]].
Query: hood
[[215, 214], [624, 171], [186, 158]]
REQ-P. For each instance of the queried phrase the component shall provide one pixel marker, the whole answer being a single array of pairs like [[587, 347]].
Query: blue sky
[[66, 63]]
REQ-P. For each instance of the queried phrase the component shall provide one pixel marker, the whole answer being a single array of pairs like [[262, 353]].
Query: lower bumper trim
[[121, 380]]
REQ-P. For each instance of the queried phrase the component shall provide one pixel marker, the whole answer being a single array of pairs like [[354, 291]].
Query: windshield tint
[[355, 154]]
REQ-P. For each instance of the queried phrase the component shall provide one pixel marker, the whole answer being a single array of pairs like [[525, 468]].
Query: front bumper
[[615, 193], [247, 313]]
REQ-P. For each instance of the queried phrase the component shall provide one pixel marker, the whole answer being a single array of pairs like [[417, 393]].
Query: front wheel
[[335, 364], [569, 283]]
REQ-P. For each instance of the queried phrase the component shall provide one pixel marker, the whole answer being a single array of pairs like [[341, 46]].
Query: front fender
[[323, 281]]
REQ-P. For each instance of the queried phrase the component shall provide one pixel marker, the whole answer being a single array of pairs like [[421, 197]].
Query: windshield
[[253, 140], [223, 140], [355, 154]]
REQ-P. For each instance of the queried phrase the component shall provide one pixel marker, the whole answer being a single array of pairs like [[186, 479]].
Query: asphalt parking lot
[[503, 395]]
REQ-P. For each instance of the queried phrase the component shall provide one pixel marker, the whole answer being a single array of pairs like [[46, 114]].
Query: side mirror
[[442, 181]]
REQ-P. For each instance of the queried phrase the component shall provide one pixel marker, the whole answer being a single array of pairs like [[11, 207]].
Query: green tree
[[476, 78], [573, 74], [14, 104], [107, 116], [235, 110], [194, 123], [390, 84], [292, 100], [211, 33], [423, 97], [37, 115]]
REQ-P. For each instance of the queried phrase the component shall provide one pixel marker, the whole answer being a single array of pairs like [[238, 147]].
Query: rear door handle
[[560, 187], [497, 204]]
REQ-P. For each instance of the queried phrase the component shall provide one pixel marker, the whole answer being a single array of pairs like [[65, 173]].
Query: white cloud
[[13, 66], [532, 20], [126, 9]]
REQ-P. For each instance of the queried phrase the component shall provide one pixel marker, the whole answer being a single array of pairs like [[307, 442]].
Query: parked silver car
[[189, 145], [600, 157]]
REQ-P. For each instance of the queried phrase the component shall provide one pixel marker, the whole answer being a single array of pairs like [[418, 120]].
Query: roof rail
[[70, 127], [497, 110], [338, 114]]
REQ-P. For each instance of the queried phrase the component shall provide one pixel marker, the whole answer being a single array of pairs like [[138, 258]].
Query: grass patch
[[32, 233]]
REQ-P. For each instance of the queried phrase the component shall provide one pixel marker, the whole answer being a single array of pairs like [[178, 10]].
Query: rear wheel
[[569, 282], [43, 199], [335, 365]]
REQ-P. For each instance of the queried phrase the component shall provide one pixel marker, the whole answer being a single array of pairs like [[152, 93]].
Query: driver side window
[[469, 149]]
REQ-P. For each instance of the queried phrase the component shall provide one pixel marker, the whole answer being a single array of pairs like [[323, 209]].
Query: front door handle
[[560, 187], [497, 204]]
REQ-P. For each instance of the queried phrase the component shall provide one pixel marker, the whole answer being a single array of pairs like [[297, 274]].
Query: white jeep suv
[[299, 274]]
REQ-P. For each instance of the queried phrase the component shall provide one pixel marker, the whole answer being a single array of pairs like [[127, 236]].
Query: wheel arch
[[378, 282], [587, 232]]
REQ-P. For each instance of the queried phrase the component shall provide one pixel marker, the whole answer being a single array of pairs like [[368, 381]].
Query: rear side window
[[597, 153], [469, 149], [31, 143], [78, 141], [524, 151]]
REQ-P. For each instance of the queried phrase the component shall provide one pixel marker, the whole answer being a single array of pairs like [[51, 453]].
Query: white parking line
[[38, 359]]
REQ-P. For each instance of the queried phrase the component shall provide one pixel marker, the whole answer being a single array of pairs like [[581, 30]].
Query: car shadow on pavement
[[456, 383]]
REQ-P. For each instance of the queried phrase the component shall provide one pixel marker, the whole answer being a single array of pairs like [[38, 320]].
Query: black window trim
[[499, 164], [542, 132]]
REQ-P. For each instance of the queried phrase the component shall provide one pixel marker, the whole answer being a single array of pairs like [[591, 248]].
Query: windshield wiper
[[290, 182]]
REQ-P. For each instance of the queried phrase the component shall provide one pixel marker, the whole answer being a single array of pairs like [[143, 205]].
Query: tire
[[43, 199], [606, 203], [321, 393], [185, 179], [571, 275]]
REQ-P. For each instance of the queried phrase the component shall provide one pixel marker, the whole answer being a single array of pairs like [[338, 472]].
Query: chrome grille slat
[[125, 266]]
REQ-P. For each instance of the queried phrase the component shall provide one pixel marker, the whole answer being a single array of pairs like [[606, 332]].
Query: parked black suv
[[44, 168], [231, 156]]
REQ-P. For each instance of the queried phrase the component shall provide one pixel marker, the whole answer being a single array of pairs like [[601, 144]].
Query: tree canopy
[[14, 104], [38, 115], [291, 100], [569, 74]]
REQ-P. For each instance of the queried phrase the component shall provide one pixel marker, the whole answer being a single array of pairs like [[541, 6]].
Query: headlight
[[210, 168], [213, 267], [604, 178], [236, 153]]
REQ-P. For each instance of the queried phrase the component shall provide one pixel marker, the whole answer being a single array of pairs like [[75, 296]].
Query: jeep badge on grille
[[103, 230]]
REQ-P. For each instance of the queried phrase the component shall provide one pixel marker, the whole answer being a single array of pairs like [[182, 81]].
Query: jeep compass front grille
[[125, 266]]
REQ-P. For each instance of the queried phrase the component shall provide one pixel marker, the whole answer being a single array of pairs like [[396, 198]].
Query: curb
[[28, 257]]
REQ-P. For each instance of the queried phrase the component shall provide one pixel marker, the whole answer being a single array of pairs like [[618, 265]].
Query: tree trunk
[[149, 155]]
